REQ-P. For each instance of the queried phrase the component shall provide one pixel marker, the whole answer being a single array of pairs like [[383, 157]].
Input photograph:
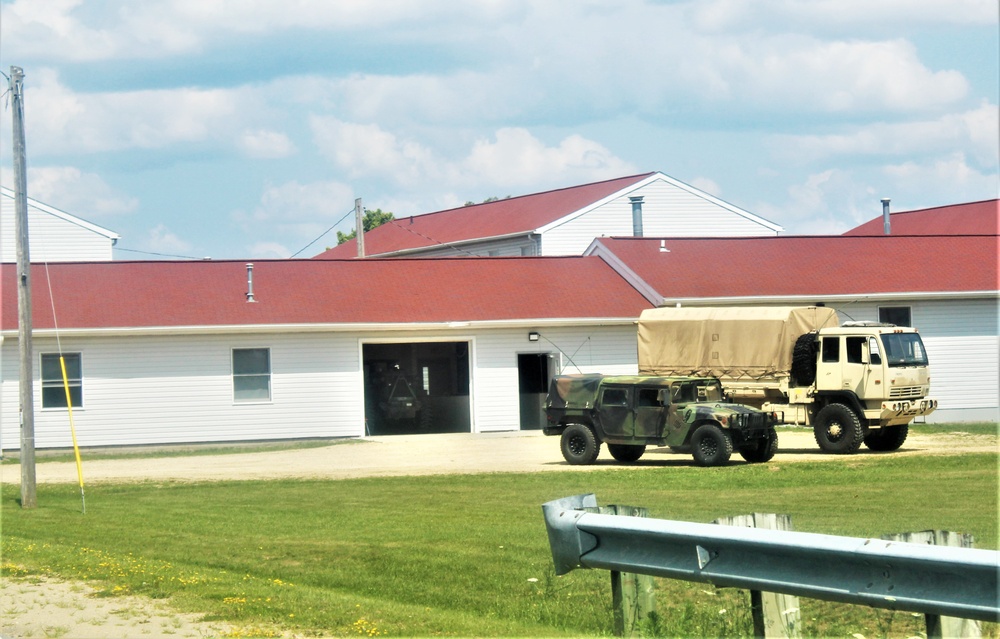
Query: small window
[[898, 315], [251, 374], [855, 348], [831, 349], [648, 397], [615, 397], [53, 388]]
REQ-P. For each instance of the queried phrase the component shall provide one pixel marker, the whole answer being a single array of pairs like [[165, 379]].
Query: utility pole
[[25, 379], [359, 217]]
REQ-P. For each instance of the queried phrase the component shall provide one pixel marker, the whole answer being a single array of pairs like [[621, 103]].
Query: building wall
[[179, 389], [519, 246], [668, 211], [51, 239]]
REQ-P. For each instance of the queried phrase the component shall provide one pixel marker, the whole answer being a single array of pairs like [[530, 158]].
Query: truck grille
[[906, 391], [755, 421]]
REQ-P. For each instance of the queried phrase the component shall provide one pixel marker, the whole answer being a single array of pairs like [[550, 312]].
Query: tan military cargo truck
[[852, 383]]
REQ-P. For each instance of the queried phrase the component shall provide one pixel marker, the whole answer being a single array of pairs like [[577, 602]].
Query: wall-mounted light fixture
[[533, 336]]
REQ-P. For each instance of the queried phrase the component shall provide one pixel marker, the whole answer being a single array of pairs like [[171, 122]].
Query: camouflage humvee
[[689, 414]]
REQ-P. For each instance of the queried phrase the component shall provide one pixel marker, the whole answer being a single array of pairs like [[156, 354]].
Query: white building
[[54, 235]]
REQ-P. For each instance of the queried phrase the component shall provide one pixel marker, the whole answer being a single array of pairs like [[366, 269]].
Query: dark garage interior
[[417, 387]]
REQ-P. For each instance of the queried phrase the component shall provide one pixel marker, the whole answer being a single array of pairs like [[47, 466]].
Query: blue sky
[[246, 128]]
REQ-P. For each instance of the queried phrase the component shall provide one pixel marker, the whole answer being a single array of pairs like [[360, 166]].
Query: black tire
[[761, 450], [626, 452], [579, 445], [838, 430], [887, 438], [711, 445], [804, 359]]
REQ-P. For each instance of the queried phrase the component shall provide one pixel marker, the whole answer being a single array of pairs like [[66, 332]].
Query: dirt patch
[[31, 607]]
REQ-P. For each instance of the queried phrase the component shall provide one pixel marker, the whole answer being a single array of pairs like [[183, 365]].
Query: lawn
[[466, 555]]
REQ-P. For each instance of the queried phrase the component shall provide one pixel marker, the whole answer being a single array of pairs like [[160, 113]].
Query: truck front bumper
[[903, 411]]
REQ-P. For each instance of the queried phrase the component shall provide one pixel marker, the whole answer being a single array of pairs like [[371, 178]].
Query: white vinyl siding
[[518, 246], [53, 237], [667, 210]]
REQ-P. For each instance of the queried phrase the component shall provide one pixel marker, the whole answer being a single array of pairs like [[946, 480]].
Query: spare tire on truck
[[804, 359]]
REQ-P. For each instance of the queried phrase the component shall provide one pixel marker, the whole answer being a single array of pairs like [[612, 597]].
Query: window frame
[[237, 399], [48, 384], [896, 309]]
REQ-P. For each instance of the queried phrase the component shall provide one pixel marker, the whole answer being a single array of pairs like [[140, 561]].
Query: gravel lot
[[33, 607]]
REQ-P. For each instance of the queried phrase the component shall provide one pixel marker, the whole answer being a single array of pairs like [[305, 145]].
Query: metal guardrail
[[937, 580]]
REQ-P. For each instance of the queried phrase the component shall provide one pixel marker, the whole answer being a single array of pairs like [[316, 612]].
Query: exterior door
[[616, 415], [649, 412]]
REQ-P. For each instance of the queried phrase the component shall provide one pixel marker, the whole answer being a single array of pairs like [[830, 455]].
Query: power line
[[351, 212]]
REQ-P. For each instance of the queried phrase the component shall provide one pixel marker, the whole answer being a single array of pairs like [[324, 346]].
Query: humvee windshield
[[697, 391], [904, 349]]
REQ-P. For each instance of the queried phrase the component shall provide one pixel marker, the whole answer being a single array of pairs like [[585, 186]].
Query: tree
[[373, 218]]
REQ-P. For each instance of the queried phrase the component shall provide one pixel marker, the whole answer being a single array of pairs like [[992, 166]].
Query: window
[[898, 315], [855, 349], [251, 374], [831, 349], [53, 389], [648, 397], [615, 397]]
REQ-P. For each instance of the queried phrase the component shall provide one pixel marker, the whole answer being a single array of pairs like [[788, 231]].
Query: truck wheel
[[887, 438], [804, 359], [626, 452], [761, 450], [838, 430], [711, 445], [579, 446]]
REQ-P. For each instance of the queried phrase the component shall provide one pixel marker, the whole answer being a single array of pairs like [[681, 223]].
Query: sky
[[247, 128]]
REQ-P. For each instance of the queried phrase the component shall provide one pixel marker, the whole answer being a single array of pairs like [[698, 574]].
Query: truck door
[[858, 374], [649, 411], [617, 420]]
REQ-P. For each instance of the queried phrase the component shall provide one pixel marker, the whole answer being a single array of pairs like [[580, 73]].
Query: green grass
[[467, 555]]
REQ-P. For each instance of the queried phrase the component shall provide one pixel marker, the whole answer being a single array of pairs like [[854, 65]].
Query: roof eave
[[357, 327], [812, 299]]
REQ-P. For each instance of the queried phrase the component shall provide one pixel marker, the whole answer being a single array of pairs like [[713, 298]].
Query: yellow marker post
[[72, 430]]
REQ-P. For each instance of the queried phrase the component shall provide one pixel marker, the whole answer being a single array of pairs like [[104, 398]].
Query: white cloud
[[272, 250], [59, 120], [708, 186], [264, 144], [977, 130], [79, 193], [514, 158], [160, 239], [297, 212]]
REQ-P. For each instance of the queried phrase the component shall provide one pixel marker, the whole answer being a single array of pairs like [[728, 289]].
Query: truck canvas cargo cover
[[731, 342]]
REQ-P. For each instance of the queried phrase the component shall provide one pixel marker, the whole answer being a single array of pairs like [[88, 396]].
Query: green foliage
[[373, 218], [467, 555]]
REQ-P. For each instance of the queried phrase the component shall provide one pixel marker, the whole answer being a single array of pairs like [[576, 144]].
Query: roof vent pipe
[[885, 215], [636, 215], [250, 282]]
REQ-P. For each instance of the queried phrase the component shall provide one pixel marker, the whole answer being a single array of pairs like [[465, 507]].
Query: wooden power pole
[[359, 235], [26, 390]]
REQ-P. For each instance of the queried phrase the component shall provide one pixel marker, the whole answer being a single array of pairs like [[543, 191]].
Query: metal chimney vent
[[250, 283], [886, 226], [636, 215]]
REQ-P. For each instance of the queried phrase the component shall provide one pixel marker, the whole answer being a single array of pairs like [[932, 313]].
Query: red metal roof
[[511, 216], [974, 218], [810, 266], [213, 293]]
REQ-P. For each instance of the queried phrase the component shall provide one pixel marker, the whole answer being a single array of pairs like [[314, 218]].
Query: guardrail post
[[775, 616], [940, 626], [633, 596]]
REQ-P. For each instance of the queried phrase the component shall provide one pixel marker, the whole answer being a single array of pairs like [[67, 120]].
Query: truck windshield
[[904, 349]]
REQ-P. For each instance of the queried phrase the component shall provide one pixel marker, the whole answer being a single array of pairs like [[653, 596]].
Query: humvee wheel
[[626, 452], [711, 445], [838, 430], [887, 438], [761, 450], [579, 446]]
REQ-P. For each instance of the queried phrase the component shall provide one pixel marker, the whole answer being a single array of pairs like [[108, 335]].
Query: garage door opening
[[534, 371], [420, 387]]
